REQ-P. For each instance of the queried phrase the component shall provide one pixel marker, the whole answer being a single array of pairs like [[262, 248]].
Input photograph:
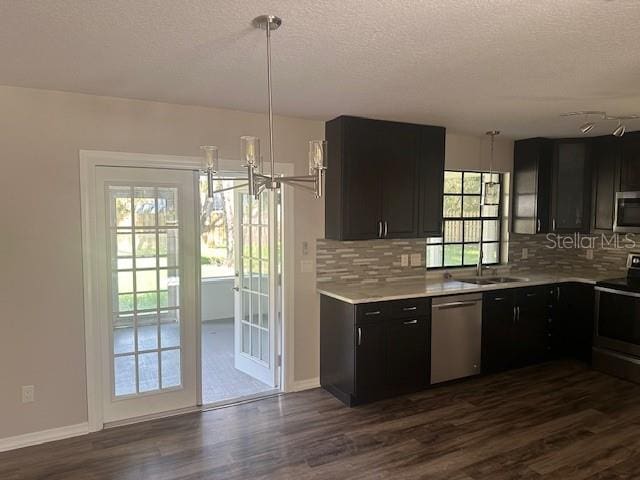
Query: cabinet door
[[531, 183], [498, 316], [408, 354], [571, 187], [398, 156], [575, 319], [532, 342], [630, 174], [606, 157], [371, 361], [362, 182], [432, 145]]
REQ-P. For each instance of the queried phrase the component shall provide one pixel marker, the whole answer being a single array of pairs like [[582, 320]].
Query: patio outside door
[[256, 284], [147, 250]]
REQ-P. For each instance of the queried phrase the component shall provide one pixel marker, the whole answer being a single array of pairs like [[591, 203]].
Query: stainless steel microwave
[[627, 212]]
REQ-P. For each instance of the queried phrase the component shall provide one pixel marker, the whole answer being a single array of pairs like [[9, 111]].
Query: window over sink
[[464, 217]]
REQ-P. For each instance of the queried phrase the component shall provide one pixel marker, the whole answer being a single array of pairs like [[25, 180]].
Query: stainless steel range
[[617, 323]]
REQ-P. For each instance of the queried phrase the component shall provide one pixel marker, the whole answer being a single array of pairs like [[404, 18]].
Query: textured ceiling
[[468, 65]]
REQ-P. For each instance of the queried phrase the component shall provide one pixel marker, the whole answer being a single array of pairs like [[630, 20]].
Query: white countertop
[[383, 291]]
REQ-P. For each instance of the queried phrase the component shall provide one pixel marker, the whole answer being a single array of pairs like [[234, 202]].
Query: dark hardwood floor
[[557, 421]]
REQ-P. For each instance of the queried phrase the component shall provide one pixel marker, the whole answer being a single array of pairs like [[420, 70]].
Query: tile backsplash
[[373, 261], [367, 261]]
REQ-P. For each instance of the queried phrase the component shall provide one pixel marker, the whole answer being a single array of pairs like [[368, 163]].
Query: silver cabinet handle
[[409, 309], [359, 336], [553, 222], [514, 314], [380, 229], [557, 294], [518, 313], [538, 226], [531, 294], [498, 299], [617, 292], [410, 322], [455, 304], [386, 228], [377, 312]]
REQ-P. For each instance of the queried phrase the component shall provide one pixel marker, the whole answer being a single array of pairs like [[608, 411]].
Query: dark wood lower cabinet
[[372, 351], [408, 363], [574, 320], [515, 327], [378, 350]]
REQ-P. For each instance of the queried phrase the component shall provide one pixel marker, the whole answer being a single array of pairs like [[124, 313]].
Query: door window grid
[[255, 277], [463, 211], [145, 213]]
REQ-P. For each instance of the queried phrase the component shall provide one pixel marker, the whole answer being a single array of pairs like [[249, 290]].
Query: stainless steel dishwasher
[[456, 334]]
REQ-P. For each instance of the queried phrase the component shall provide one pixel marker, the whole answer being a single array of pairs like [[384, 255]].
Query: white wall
[[217, 299], [469, 152], [41, 297]]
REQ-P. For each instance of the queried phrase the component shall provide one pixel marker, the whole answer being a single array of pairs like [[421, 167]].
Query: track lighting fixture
[[586, 127]]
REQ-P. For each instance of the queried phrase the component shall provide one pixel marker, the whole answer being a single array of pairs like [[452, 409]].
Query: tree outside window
[[216, 230]]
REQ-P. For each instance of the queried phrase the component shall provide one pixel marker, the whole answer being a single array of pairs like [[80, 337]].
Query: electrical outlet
[[28, 394], [525, 253], [416, 259], [404, 260], [590, 254]]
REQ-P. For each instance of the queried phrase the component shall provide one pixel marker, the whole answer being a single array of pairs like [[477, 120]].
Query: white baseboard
[[306, 384], [43, 436]]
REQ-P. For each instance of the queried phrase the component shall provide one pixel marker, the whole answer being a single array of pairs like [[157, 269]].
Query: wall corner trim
[[43, 436], [307, 384]]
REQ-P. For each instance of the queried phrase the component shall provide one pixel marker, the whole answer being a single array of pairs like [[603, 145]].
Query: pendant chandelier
[[257, 180]]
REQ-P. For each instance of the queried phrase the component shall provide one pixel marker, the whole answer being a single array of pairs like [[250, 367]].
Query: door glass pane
[[453, 231], [264, 346], [123, 334], [170, 328], [490, 252], [170, 368], [452, 206], [471, 206], [146, 339], [491, 230], [148, 372], [124, 369], [147, 331], [120, 198]]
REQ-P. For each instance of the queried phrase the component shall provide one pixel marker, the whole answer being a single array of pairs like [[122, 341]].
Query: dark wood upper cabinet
[[532, 164], [384, 179], [605, 154], [630, 162], [571, 188]]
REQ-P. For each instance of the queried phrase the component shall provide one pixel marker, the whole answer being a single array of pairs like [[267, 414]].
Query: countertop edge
[[454, 291]]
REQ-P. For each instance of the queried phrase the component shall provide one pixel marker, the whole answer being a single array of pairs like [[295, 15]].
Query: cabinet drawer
[[535, 295], [372, 312], [497, 298], [412, 307]]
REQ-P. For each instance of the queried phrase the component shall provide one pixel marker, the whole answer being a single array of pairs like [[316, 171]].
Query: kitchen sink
[[492, 280]]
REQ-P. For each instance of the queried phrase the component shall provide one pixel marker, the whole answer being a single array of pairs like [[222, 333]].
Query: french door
[[146, 255], [256, 306]]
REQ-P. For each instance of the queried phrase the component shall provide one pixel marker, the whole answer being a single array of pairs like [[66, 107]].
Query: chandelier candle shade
[[257, 180]]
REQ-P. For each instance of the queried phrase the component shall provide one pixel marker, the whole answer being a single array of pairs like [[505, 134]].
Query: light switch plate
[[416, 259], [404, 260], [306, 266], [590, 254], [525, 253]]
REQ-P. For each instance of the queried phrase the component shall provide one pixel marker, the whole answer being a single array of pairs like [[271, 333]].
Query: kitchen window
[[464, 217]]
